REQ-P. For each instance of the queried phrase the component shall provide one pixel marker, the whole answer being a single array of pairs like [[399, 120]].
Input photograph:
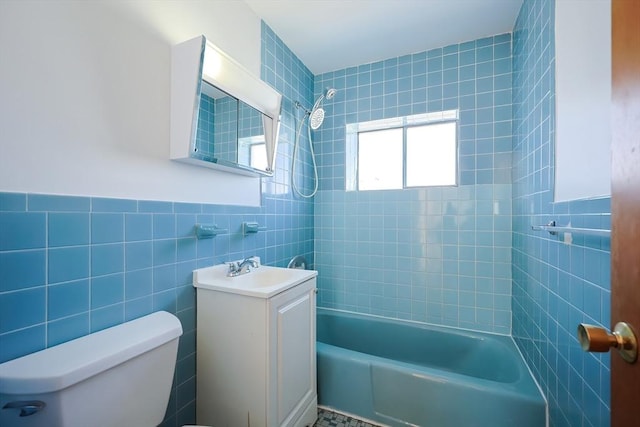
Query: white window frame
[[353, 129]]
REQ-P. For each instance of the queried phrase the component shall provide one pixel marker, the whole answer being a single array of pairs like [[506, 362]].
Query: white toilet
[[117, 377]]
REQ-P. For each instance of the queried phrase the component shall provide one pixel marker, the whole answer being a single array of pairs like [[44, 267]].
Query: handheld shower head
[[328, 94], [316, 117]]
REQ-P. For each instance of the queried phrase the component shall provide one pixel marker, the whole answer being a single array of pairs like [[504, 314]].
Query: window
[[375, 148], [412, 151]]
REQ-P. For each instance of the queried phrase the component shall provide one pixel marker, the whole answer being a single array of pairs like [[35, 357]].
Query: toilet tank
[[117, 377]]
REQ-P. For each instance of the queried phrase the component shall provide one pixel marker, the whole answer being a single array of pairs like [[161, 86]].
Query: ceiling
[[330, 35]]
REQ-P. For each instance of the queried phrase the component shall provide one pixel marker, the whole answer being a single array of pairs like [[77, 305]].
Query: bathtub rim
[[454, 329]]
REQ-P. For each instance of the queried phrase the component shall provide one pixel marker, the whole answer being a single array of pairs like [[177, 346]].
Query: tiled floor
[[334, 419]]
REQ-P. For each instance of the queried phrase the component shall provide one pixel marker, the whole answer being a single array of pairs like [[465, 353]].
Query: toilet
[[116, 377]]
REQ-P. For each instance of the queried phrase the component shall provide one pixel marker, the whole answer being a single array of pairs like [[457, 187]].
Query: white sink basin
[[261, 282]]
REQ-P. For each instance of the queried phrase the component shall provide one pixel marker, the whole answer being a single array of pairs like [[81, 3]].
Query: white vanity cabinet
[[256, 356]]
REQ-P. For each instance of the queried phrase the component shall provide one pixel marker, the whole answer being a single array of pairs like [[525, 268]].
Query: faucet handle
[[236, 268], [233, 267]]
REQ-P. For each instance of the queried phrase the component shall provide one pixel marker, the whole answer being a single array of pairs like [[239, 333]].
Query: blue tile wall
[[437, 255], [474, 77], [555, 285], [66, 274], [287, 74], [72, 265]]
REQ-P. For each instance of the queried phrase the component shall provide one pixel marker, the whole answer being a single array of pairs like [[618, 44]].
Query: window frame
[[352, 148]]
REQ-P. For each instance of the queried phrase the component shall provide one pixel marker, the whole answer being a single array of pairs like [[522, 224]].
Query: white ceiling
[[330, 35]]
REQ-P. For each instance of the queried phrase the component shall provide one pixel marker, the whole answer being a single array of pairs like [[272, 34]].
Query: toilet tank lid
[[56, 368]]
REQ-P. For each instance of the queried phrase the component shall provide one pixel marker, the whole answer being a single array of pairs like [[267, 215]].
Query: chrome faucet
[[242, 267]]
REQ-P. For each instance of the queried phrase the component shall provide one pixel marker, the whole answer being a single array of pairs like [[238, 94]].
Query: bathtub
[[399, 373]]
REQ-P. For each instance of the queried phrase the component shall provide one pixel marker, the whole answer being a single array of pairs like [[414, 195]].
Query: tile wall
[[555, 285], [74, 265], [284, 71], [437, 255]]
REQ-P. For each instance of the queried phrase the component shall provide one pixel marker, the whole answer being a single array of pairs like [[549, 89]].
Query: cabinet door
[[293, 318]]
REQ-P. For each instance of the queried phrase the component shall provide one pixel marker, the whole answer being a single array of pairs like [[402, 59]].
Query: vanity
[[256, 342]]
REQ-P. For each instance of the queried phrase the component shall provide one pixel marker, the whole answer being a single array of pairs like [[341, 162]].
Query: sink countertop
[[262, 282]]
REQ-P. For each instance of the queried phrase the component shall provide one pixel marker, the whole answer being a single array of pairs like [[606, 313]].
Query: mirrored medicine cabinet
[[222, 116]]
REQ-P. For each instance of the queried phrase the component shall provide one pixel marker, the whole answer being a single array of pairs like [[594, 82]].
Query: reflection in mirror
[[252, 151], [217, 126], [229, 131], [222, 117]]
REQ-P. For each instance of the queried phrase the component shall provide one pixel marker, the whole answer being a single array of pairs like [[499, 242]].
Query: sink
[[261, 282]]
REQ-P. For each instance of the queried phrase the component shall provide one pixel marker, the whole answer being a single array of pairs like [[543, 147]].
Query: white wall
[[583, 99], [85, 97]]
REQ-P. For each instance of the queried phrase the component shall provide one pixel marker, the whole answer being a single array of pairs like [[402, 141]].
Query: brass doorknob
[[597, 339]]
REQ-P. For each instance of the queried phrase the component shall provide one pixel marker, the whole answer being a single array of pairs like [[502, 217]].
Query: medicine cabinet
[[222, 116]]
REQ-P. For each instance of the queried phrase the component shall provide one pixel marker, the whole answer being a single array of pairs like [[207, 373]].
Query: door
[[625, 203]]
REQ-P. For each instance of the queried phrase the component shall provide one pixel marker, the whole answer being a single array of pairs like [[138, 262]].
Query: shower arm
[[299, 105]]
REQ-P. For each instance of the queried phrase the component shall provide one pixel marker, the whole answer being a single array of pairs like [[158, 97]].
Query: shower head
[[316, 116], [327, 94]]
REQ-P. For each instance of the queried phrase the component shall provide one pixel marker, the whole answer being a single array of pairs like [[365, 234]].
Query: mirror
[[222, 117], [582, 101]]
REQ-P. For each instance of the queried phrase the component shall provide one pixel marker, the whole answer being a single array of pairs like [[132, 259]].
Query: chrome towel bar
[[553, 229]]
